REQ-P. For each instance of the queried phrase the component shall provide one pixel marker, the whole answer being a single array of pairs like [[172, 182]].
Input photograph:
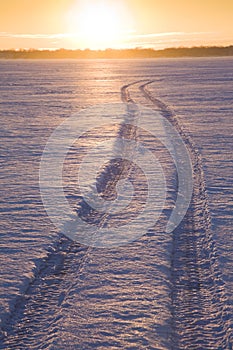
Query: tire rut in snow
[[34, 322], [201, 319]]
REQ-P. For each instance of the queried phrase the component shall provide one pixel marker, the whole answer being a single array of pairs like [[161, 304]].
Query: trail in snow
[[130, 297], [200, 317]]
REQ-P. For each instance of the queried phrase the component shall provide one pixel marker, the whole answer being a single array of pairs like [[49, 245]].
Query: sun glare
[[97, 25]]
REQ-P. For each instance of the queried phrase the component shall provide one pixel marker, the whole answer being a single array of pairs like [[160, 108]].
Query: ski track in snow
[[196, 314]]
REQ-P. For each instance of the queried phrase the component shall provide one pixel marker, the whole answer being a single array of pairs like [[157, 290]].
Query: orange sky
[[114, 23]]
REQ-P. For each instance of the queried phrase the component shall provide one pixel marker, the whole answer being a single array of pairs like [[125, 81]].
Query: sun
[[97, 25]]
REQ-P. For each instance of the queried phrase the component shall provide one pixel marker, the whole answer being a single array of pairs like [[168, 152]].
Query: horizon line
[[31, 49]]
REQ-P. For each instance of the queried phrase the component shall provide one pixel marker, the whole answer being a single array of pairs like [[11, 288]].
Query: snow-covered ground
[[163, 291]]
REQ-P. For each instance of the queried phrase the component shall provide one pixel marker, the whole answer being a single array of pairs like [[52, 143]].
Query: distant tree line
[[201, 51]]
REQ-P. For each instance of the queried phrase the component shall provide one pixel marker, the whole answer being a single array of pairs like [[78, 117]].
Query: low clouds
[[33, 36], [129, 40]]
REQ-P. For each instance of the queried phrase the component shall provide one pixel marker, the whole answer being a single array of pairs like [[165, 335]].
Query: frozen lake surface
[[162, 291]]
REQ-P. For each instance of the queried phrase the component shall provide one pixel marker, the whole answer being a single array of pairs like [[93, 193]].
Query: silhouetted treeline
[[124, 53]]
